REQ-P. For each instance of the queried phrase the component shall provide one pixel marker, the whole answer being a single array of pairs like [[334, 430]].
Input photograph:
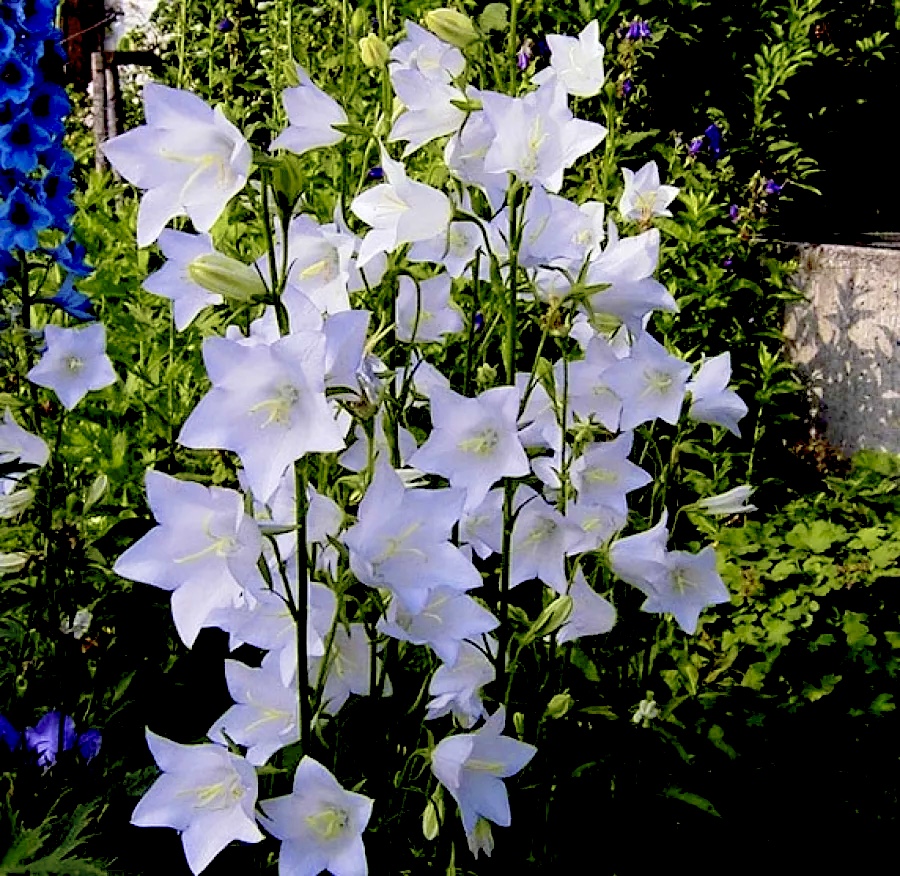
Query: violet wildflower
[[89, 744], [525, 54], [714, 135], [627, 87], [375, 173], [226, 25], [734, 212], [44, 740], [772, 187], [478, 321], [638, 30], [696, 146]]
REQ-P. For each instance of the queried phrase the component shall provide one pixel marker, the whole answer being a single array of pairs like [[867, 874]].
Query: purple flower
[[525, 54], [728, 262], [478, 322], [638, 30], [226, 25], [89, 744], [375, 173], [714, 135], [733, 212], [73, 302], [696, 146], [44, 739], [772, 188], [10, 737], [627, 87]]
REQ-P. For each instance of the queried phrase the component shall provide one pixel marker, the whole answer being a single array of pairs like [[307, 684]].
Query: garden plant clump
[[412, 403]]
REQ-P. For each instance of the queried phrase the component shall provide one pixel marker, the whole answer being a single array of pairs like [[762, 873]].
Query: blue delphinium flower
[[44, 739], [73, 302], [21, 217], [16, 79], [21, 141]]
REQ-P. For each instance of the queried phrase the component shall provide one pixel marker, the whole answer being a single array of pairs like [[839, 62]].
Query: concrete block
[[846, 342]]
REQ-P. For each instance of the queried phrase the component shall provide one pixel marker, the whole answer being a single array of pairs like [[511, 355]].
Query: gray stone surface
[[846, 342]]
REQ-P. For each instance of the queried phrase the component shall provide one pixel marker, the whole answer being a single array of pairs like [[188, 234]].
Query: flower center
[[219, 795], [658, 381], [541, 531], [482, 444], [330, 823], [73, 364], [280, 406]]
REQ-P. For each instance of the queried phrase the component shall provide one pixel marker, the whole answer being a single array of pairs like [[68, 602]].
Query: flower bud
[[559, 705], [12, 562], [358, 20], [451, 26], [13, 504], [374, 51], [226, 276], [550, 619], [485, 375]]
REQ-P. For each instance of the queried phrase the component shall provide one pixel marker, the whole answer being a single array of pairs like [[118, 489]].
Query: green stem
[[300, 606], [512, 46]]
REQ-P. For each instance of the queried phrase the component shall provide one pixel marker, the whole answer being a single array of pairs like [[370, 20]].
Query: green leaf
[[692, 799], [817, 537], [857, 633]]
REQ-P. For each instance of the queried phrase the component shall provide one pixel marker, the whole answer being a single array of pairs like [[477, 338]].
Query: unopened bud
[[559, 705], [451, 26], [550, 619], [226, 276], [374, 51], [519, 724], [358, 20]]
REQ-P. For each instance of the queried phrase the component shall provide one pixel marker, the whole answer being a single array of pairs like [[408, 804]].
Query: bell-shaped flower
[[539, 422], [401, 541], [349, 669], [549, 230], [312, 115], [598, 524], [537, 135], [174, 281], [423, 53], [423, 311], [431, 109], [189, 158], [399, 211], [264, 717], [74, 363], [644, 197], [465, 154], [453, 249], [206, 793], [474, 442], [472, 766], [267, 404], [204, 549], [446, 619], [625, 268], [651, 383], [541, 539], [640, 560], [711, 400], [577, 62], [456, 687], [603, 474], [320, 825], [19, 445], [689, 585], [591, 613], [590, 397], [356, 456], [734, 501]]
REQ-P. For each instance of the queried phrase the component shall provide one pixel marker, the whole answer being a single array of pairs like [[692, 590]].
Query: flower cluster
[[499, 473], [35, 182]]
